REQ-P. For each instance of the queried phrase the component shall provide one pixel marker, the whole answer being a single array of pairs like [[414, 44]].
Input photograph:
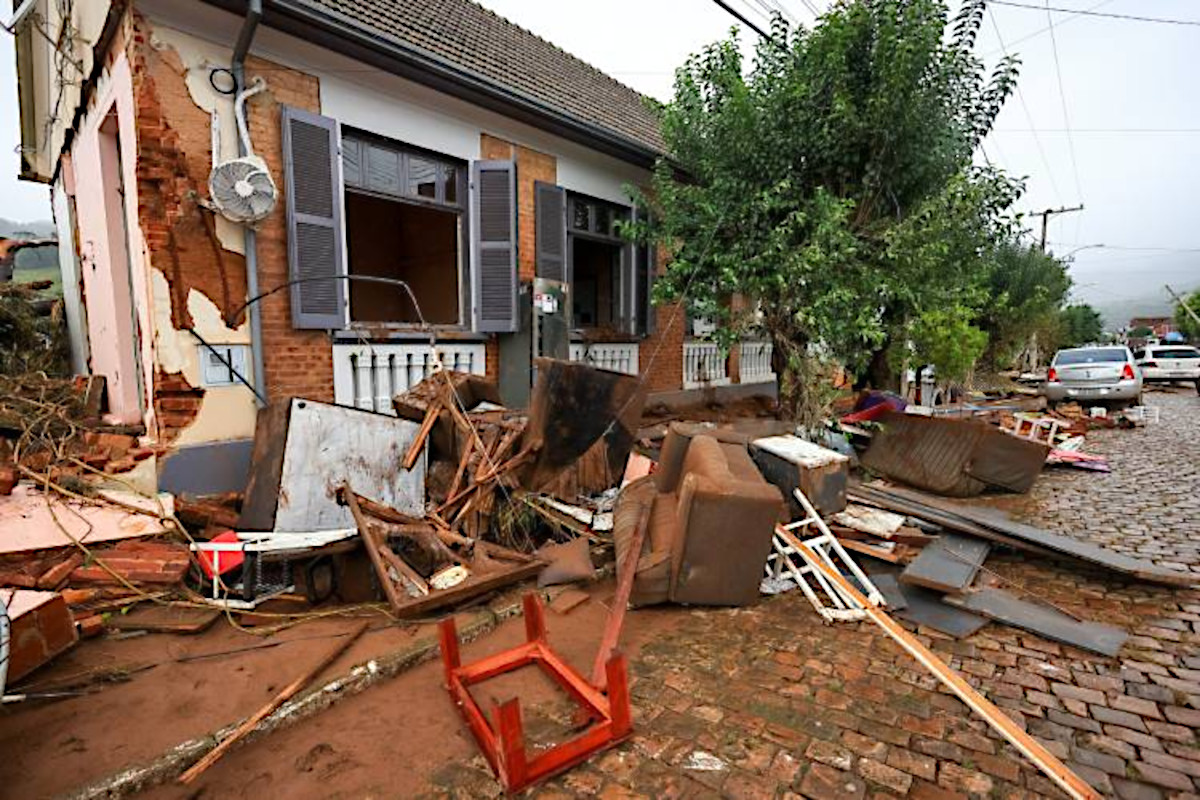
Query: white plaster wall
[[113, 355], [68, 265]]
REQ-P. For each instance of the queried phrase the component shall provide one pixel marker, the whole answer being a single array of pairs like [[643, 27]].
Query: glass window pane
[[352, 162], [604, 218], [581, 215], [450, 184], [422, 177], [383, 170]]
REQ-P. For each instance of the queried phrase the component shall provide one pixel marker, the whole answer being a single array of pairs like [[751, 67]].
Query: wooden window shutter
[[550, 225], [312, 169], [642, 282], [495, 268]]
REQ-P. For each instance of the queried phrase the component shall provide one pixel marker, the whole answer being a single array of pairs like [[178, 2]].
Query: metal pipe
[[238, 68]]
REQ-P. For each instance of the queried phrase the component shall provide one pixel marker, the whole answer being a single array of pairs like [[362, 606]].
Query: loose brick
[[1136, 705], [831, 754], [952, 776]]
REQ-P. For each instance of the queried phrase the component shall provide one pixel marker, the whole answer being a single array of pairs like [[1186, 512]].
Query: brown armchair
[[711, 520]]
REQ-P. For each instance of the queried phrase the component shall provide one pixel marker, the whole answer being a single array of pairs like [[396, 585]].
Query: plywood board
[[1047, 622], [328, 445], [949, 564]]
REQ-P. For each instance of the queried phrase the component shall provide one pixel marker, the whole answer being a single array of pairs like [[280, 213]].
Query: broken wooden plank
[[471, 587], [381, 567], [418, 444], [1046, 622], [948, 564], [616, 613], [569, 599], [282, 697], [880, 552], [1032, 749]]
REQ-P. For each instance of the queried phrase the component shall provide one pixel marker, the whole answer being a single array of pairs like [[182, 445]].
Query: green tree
[[1081, 325], [832, 186], [1187, 324], [1026, 291]]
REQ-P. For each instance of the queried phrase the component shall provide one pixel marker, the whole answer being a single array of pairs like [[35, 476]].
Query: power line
[[1102, 14], [1133, 247], [1072, 17], [1025, 107], [1096, 130], [1062, 96], [742, 18]]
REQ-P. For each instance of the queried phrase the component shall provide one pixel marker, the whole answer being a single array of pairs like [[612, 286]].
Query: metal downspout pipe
[[238, 68]]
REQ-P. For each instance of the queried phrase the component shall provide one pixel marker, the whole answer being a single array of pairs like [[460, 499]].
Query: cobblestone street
[[767, 702]]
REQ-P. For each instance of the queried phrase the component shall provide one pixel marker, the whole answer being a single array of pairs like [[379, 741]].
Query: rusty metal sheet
[[957, 458], [575, 405]]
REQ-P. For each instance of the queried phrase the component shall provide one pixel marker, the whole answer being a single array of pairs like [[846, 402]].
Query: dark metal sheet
[[1003, 607], [948, 564], [1002, 527], [957, 458], [889, 587], [926, 608]]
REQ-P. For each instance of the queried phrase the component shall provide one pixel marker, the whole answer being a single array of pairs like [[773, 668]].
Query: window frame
[[624, 270], [460, 207]]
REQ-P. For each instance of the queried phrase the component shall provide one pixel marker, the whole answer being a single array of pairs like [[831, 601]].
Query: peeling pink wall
[[115, 279]]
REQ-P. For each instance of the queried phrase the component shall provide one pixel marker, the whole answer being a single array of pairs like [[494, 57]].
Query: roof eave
[[303, 20]]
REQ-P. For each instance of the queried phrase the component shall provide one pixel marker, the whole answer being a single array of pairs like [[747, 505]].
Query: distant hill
[[38, 229]]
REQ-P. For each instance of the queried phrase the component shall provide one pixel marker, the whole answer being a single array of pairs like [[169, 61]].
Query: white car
[[1163, 363]]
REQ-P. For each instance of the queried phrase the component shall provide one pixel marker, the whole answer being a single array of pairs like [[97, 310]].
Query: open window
[[405, 220], [362, 206], [609, 280]]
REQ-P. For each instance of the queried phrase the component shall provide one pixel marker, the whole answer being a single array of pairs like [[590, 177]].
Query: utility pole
[[1049, 212], [1183, 303]]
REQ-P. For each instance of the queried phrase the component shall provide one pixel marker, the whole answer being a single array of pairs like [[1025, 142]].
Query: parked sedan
[[1163, 363], [1105, 375]]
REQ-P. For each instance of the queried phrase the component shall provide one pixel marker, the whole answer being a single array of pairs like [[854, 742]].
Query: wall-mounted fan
[[241, 188]]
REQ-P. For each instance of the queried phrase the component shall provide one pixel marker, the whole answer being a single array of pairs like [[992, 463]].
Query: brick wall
[[666, 370], [174, 159]]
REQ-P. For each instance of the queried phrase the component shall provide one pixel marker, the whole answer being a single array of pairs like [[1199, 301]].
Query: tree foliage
[[1082, 325], [1026, 291], [832, 186], [1187, 325]]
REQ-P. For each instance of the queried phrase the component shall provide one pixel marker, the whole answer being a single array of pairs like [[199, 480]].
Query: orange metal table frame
[[502, 739]]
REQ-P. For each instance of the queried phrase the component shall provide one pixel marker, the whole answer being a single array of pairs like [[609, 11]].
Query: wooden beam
[[284, 695], [418, 443], [381, 567], [1032, 749], [616, 614]]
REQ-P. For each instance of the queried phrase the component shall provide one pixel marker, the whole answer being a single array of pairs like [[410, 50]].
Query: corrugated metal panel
[[957, 458]]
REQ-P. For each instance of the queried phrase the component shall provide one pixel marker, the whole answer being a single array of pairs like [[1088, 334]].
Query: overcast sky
[[1128, 95]]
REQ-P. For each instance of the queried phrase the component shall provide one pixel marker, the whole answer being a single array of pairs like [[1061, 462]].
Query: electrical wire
[[742, 18], [1100, 14], [1062, 96], [1028, 116]]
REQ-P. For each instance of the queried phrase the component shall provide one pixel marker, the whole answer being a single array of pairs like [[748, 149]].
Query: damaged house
[[365, 143]]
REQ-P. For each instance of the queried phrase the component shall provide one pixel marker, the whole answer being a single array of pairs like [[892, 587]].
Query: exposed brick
[[822, 782], [1161, 776], [1135, 705], [1112, 716], [884, 775], [952, 776], [1066, 690], [831, 754]]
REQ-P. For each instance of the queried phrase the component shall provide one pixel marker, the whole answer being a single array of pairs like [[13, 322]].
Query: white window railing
[[615, 356], [704, 365], [754, 363], [370, 375]]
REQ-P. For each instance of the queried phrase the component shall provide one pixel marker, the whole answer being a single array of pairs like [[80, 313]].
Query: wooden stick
[[418, 444], [406, 572], [616, 614], [440, 526], [284, 695], [468, 448], [1032, 749], [381, 567]]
